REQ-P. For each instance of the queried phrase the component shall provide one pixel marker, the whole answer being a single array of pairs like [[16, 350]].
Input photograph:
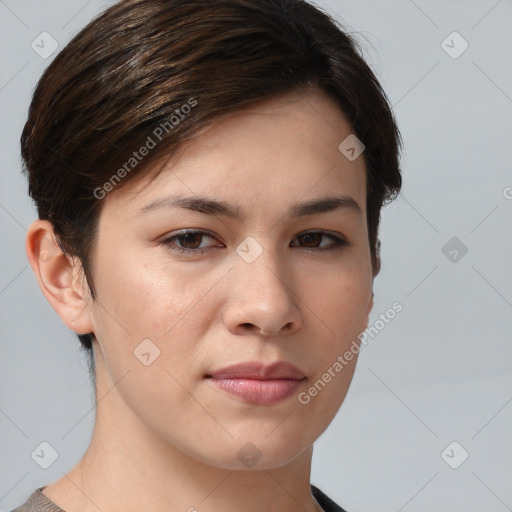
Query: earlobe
[[59, 277]]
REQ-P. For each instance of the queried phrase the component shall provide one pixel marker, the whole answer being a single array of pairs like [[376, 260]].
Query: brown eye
[[188, 241], [312, 239]]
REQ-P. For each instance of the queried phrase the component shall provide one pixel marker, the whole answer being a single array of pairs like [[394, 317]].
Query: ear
[[368, 311], [59, 276]]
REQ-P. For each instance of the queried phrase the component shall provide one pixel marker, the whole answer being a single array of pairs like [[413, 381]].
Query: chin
[[256, 453]]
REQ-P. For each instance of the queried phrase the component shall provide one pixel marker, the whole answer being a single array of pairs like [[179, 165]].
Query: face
[[186, 290]]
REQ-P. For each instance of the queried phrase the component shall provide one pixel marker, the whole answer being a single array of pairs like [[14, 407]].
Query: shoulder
[[38, 502], [325, 502]]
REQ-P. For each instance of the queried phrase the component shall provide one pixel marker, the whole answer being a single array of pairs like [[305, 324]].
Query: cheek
[[142, 295], [338, 303], [138, 301], [338, 314]]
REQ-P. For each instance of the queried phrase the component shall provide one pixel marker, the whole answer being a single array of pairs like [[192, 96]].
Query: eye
[[312, 238], [189, 241]]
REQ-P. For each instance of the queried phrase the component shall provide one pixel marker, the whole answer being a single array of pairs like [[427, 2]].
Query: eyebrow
[[218, 207]]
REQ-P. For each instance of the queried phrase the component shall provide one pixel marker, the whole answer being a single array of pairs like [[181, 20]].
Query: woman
[[209, 178]]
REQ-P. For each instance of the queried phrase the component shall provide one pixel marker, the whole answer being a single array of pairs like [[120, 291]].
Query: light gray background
[[439, 372]]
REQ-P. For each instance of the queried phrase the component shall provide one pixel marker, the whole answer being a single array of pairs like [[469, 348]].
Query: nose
[[262, 299]]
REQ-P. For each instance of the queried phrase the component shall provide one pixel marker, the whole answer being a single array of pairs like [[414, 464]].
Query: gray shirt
[[39, 502]]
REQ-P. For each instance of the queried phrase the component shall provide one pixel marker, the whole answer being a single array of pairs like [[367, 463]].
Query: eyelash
[[339, 243]]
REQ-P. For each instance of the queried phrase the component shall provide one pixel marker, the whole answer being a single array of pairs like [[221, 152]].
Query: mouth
[[258, 384], [258, 391]]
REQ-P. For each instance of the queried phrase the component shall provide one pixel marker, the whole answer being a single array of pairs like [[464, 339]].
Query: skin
[[165, 438]]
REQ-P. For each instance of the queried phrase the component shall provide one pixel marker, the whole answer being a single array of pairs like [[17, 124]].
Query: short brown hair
[[130, 69]]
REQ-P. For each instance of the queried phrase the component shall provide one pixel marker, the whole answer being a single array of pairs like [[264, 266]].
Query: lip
[[257, 370], [258, 384]]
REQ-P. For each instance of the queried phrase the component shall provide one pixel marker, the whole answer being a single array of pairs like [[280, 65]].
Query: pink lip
[[259, 384]]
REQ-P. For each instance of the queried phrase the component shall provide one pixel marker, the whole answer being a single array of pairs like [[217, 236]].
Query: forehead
[[287, 147]]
